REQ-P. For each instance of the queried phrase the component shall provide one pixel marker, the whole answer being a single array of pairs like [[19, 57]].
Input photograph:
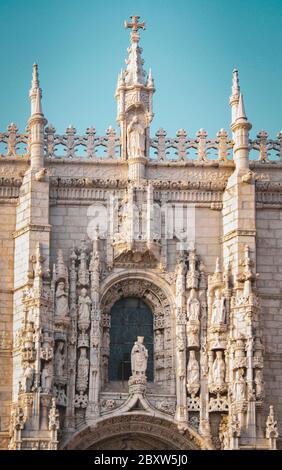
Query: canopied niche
[[154, 299]]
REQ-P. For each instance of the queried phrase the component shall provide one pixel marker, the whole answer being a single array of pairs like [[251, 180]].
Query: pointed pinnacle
[[38, 106], [241, 114]]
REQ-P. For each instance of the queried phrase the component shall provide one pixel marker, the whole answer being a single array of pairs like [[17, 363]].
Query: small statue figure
[[62, 307], [193, 374], [259, 383], [240, 386], [218, 370], [106, 340], [193, 307], [135, 138], [28, 377], [139, 357], [60, 359], [84, 303], [218, 309], [47, 377], [82, 371]]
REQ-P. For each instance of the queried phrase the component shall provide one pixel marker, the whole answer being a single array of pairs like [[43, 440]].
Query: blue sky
[[191, 45]]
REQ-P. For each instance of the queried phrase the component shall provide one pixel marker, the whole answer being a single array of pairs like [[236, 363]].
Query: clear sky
[[191, 45]]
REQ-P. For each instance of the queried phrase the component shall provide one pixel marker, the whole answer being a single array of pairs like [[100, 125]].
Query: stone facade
[[193, 227]]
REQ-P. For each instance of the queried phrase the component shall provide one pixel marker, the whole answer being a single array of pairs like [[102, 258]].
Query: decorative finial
[[235, 83], [35, 78], [134, 73], [134, 25]]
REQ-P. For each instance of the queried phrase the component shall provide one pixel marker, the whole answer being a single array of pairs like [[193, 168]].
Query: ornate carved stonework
[[134, 315]]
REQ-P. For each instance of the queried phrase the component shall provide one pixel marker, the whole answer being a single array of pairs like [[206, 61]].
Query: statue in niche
[[62, 307], [193, 307], [240, 386], [84, 303], [47, 377], [218, 370], [139, 357], [82, 371], [259, 383], [28, 378], [159, 340], [60, 359], [106, 340], [136, 138], [218, 309], [193, 374]]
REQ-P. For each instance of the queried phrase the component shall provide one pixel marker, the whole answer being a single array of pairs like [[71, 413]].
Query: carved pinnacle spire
[[150, 80], [134, 72], [35, 93], [241, 114], [37, 104]]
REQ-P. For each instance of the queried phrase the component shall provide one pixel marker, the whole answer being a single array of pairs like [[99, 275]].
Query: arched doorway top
[[136, 429], [150, 287]]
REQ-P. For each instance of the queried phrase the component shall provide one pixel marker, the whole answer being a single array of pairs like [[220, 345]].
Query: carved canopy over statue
[[139, 357], [135, 138]]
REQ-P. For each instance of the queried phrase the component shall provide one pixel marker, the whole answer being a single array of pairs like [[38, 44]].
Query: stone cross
[[134, 25]]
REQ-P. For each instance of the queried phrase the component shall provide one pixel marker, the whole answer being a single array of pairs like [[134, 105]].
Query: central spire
[[134, 73]]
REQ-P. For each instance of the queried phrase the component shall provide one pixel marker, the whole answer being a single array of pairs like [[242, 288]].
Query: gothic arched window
[[130, 317]]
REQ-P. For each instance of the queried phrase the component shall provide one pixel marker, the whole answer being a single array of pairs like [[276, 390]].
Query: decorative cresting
[[159, 302], [91, 146], [126, 432], [14, 144], [181, 148]]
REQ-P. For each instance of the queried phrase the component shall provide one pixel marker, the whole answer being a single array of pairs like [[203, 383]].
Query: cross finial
[[134, 25]]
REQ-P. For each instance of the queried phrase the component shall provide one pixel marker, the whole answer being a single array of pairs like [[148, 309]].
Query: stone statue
[[136, 138], [193, 374], [59, 359], [84, 303], [159, 341], [28, 378], [218, 370], [139, 357], [218, 309], [62, 307], [259, 383], [47, 377], [240, 386], [106, 340], [82, 371], [193, 307]]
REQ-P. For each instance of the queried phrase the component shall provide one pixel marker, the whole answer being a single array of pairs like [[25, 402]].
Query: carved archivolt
[[165, 431]]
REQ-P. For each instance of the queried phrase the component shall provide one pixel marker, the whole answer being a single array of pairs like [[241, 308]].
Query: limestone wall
[[7, 227], [269, 267]]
